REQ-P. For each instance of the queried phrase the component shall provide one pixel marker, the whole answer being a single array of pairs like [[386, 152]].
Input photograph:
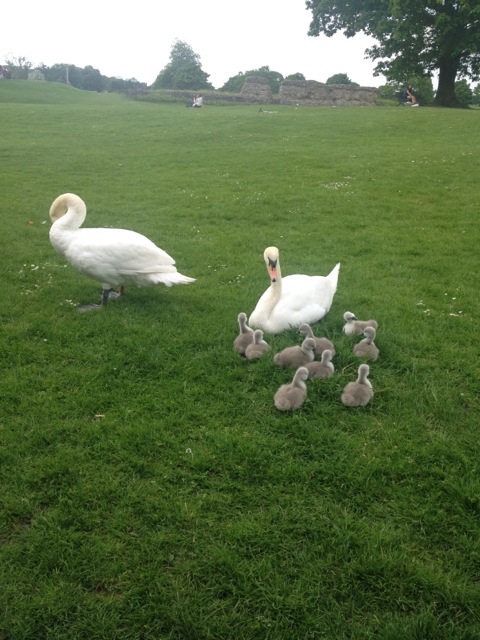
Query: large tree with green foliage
[[341, 78], [414, 37], [235, 83], [184, 70]]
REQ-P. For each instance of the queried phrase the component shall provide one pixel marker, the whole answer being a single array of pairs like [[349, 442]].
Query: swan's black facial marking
[[272, 268]]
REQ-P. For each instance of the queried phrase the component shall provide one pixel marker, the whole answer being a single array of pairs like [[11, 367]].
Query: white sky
[[134, 40]]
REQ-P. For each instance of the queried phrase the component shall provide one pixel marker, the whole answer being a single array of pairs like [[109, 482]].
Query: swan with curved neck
[[293, 300], [113, 257]]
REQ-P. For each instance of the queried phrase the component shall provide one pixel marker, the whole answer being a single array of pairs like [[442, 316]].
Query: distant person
[[410, 96], [198, 102]]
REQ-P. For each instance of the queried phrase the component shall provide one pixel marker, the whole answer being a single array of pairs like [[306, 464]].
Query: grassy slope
[[192, 508]]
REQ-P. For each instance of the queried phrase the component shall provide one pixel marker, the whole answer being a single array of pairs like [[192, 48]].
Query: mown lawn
[[150, 489]]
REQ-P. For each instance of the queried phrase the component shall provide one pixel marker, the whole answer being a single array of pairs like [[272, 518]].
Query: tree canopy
[[235, 83], [184, 70], [415, 37], [341, 78]]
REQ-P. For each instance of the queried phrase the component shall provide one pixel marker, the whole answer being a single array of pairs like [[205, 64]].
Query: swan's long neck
[[68, 212], [243, 325], [307, 330], [275, 290], [363, 378], [298, 382]]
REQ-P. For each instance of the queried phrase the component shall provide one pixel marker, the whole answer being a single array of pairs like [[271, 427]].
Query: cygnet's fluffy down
[[320, 343], [360, 392], [354, 327], [245, 337], [322, 369], [258, 347], [366, 348], [296, 356], [292, 396]]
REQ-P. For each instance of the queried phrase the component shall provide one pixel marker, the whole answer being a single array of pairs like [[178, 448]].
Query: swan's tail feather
[[333, 276], [169, 279]]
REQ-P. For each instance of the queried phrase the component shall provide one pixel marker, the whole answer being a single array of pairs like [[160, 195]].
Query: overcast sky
[[134, 40]]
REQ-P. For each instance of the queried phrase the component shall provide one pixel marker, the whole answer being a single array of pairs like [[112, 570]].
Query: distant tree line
[[88, 78], [184, 72]]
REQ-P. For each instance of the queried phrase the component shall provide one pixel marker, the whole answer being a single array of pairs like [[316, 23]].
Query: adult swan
[[113, 257], [290, 301]]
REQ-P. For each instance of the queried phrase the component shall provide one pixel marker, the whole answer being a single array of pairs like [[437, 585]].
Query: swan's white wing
[[304, 299], [119, 256]]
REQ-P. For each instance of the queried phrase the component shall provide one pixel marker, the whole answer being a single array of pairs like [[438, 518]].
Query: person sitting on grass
[[410, 96]]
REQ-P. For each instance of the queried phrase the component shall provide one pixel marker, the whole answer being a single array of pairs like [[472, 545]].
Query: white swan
[[295, 299], [113, 257]]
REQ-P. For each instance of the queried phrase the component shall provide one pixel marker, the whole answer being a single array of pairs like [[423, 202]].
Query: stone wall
[[256, 89], [310, 92]]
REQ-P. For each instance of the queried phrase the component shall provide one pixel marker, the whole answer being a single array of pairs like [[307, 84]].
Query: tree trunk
[[446, 85]]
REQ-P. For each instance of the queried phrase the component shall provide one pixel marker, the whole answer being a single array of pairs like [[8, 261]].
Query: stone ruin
[[256, 89], [310, 92], [307, 92]]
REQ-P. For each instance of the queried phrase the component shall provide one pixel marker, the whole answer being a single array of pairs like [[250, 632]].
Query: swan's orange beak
[[272, 269]]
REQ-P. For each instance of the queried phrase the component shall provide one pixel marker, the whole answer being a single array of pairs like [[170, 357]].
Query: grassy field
[[149, 488]]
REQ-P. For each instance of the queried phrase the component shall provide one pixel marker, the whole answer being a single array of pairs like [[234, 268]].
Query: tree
[[235, 83], [415, 37], [476, 94], [463, 92], [21, 65], [296, 76], [184, 70], [341, 78], [92, 79]]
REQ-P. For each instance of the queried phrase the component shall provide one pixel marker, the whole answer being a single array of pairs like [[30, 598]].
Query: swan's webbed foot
[[88, 307], [107, 294], [111, 294]]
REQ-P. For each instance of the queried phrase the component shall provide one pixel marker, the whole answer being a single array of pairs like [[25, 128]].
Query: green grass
[[150, 490]]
